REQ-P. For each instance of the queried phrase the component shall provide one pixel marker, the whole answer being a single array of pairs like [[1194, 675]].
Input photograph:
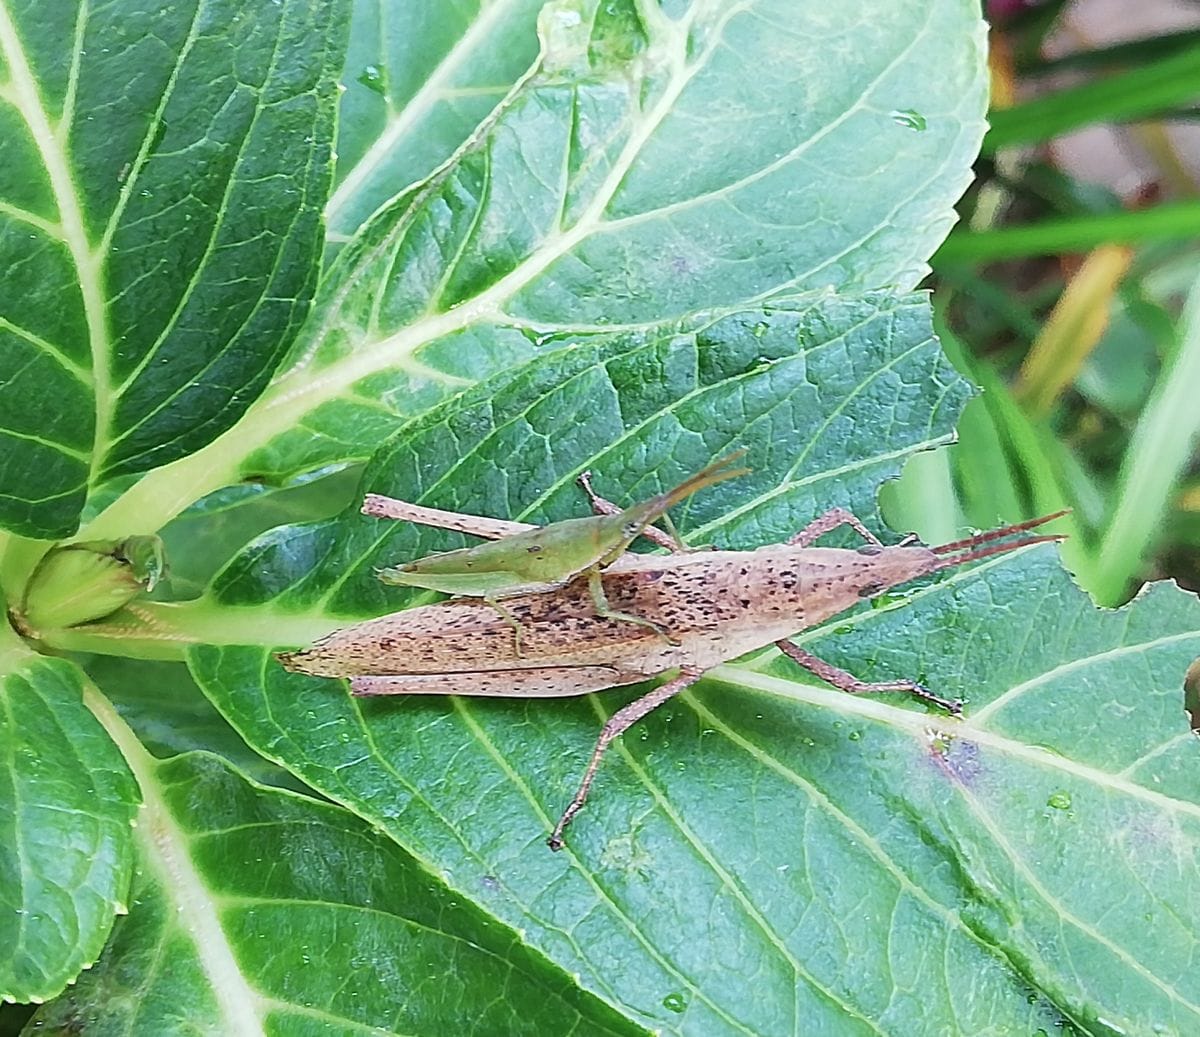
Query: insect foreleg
[[847, 682], [621, 720], [673, 537], [378, 506]]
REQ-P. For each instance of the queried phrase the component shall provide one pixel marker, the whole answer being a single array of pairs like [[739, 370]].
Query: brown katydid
[[718, 605], [543, 558]]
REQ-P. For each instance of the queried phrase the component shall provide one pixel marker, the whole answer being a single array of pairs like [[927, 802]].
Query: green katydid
[[549, 557]]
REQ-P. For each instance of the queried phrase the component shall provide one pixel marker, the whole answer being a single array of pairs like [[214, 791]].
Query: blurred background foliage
[[1070, 292]]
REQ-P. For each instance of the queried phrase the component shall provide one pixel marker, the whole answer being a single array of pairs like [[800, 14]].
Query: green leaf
[[204, 538], [637, 412], [67, 802], [803, 387], [1034, 862], [1069, 800], [661, 164], [853, 850], [1161, 450], [164, 171], [419, 78], [1171, 221], [593, 234], [258, 911], [170, 716]]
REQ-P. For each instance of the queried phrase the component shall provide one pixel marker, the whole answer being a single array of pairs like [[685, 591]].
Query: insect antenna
[[999, 534], [987, 550]]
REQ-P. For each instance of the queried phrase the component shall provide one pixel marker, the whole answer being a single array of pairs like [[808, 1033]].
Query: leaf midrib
[[923, 726], [26, 99], [165, 848], [419, 105]]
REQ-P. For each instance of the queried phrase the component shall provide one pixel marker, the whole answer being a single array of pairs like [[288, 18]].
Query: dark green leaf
[[257, 911], [1140, 92], [877, 869], [206, 536], [170, 716], [67, 802], [419, 78], [804, 389], [641, 890], [560, 219], [662, 164], [163, 173]]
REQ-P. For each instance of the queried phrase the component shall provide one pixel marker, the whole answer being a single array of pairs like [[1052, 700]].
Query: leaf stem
[[165, 630]]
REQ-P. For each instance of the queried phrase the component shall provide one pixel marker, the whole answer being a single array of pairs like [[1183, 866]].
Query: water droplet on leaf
[[1060, 800], [676, 1001], [372, 78], [910, 120]]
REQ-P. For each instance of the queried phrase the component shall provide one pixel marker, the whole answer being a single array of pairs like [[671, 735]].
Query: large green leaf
[[204, 538], [162, 171], [1067, 804], [257, 911], [766, 857], [419, 78], [869, 867], [67, 802], [169, 715], [660, 878], [660, 164]]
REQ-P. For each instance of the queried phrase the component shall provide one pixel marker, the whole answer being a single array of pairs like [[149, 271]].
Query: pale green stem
[[165, 630]]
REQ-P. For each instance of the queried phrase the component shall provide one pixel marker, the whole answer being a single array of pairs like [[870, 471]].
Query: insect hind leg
[[847, 682], [620, 721], [831, 520]]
